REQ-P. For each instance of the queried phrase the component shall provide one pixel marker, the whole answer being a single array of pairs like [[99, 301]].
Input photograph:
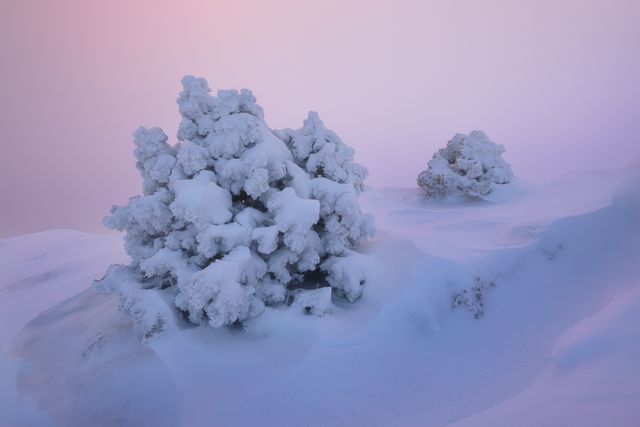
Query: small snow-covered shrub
[[472, 298], [235, 213], [551, 247], [471, 164]]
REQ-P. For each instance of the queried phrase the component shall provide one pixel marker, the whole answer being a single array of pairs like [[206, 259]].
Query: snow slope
[[557, 344]]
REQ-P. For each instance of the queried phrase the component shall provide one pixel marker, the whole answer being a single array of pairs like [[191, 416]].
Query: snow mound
[[315, 301]]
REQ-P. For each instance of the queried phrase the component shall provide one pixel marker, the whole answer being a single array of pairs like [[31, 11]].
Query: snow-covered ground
[[558, 344]]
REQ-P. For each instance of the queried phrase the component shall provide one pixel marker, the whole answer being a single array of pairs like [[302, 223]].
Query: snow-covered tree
[[471, 164], [235, 214]]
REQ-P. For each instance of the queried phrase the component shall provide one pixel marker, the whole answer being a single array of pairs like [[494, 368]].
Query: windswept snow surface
[[558, 345]]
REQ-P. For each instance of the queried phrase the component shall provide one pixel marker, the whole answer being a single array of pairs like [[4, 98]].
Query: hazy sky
[[556, 82]]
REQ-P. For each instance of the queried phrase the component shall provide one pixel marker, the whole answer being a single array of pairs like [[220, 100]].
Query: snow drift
[[556, 344]]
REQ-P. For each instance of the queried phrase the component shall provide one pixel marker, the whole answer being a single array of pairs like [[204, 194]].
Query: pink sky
[[556, 82]]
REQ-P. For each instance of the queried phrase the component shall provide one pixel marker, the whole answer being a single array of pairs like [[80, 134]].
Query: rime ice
[[471, 164], [235, 212]]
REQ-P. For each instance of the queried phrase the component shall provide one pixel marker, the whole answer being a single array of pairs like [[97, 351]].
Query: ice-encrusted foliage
[[473, 298], [235, 213], [471, 164]]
